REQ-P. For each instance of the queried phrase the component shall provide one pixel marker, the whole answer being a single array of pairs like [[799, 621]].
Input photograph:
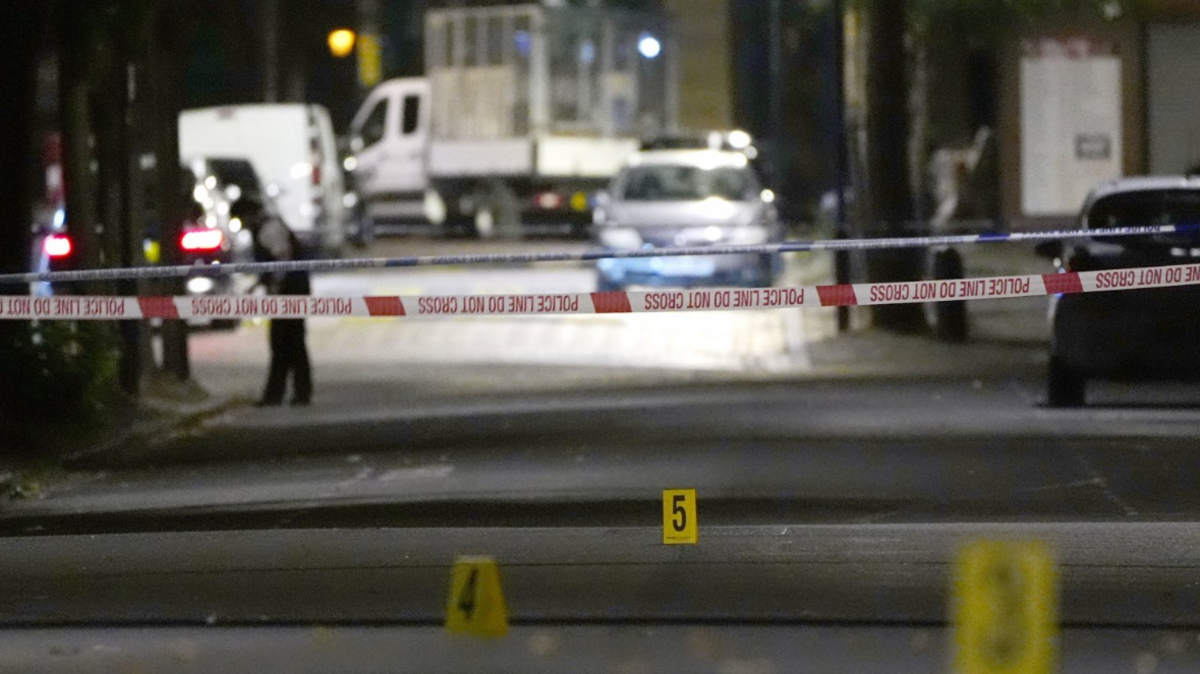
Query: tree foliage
[[66, 373], [992, 19]]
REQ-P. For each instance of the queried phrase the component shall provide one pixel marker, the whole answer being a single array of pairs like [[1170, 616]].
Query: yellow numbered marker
[[679, 517], [476, 604], [1005, 611]]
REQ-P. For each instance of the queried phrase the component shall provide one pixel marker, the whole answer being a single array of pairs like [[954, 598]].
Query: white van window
[[412, 111], [373, 127]]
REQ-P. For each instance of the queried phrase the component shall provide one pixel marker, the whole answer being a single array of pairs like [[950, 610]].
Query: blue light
[[587, 52], [649, 46], [521, 37]]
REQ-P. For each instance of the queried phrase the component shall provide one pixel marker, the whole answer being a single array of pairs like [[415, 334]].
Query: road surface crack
[[1106, 489]]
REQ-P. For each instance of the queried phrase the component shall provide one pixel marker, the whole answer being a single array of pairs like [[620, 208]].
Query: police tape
[[225, 269], [648, 301]]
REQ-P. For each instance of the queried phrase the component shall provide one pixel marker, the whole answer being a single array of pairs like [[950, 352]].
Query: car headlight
[[200, 285], [620, 238]]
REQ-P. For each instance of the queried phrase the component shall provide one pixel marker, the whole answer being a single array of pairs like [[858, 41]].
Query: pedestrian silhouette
[[274, 242]]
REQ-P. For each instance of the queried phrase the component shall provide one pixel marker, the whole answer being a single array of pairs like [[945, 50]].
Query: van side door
[[408, 148], [372, 128]]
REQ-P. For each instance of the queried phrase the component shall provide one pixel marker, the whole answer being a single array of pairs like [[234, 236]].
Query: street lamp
[[649, 46], [341, 42]]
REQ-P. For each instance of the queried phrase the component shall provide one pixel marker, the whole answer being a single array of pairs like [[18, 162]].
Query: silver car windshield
[[686, 183]]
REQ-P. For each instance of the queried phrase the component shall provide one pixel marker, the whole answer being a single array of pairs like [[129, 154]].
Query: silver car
[[670, 198]]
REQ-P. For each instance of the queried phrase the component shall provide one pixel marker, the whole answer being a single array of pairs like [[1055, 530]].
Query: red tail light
[[202, 240], [549, 201], [316, 174], [57, 246]]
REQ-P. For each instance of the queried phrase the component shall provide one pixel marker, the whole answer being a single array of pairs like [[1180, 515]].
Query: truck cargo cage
[[530, 70]]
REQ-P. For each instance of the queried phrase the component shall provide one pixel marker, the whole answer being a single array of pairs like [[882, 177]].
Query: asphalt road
[[1112, 575], [800, 451], [687, 649]]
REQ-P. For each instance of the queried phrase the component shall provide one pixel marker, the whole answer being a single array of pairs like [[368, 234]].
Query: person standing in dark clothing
[[289, 353], [274, 242]]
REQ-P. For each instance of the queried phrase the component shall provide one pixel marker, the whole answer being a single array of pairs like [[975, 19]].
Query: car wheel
[[496, 211], [1065, 386], [364, 231]]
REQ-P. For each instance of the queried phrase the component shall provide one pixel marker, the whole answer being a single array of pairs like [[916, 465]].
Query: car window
[[1147, 208], [686, 183], [412, 112], [375, 124], [235, 172]]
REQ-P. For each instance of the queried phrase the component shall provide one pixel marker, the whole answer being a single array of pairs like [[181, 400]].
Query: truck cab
[[390, 140]]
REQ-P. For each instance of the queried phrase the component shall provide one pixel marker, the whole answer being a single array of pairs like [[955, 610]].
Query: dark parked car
[[1132, 334], [210, 234]]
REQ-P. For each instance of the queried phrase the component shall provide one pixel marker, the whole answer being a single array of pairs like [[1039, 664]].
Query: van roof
[[263, 107]]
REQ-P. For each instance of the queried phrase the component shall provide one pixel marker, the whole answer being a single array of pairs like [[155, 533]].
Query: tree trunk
[[132, 38], [75, 54], [891, 202], [20, 42], [167, 67], [269, 10], [20, 36]]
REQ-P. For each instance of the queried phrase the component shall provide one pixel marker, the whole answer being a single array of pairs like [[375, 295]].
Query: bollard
[[841, 267], [950, 318]]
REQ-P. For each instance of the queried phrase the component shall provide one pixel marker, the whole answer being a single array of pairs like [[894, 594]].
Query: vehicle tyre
[[496, 213], [1065, 386], [364, 231]]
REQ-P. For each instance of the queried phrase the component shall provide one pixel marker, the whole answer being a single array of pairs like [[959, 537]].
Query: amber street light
[[341, 42]]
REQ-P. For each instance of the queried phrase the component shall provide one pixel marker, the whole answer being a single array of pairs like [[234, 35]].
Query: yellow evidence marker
[[679, 517], [476, 604], [1005, 609]]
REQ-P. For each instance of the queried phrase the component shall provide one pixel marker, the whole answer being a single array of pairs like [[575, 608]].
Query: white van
[[294, 152]]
